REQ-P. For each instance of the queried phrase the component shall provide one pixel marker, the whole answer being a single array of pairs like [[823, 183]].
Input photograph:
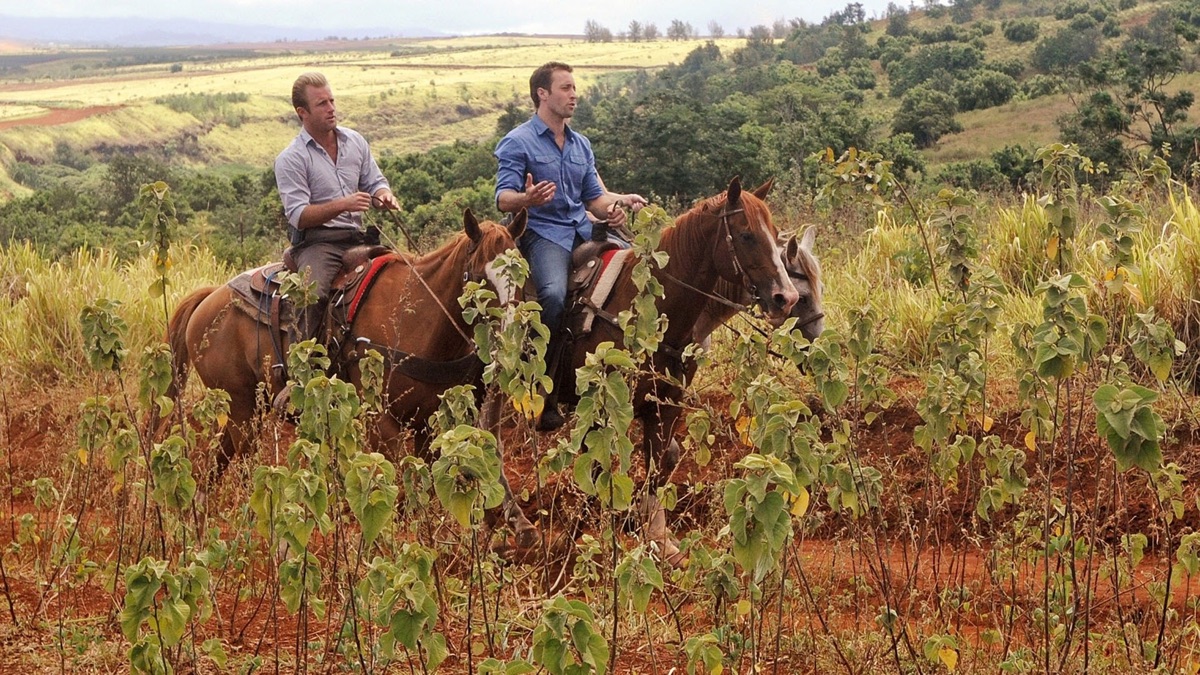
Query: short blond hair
[[301, 85]]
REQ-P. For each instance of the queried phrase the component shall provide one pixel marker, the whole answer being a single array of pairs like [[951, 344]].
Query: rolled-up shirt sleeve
[[371, 179], [510, 174], [292, 180]]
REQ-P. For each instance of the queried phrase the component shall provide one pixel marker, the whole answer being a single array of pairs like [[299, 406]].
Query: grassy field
[[935, 491], [406, 96]]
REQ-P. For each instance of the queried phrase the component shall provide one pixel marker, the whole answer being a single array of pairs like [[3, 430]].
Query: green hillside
[[960, 94], [406, 96]]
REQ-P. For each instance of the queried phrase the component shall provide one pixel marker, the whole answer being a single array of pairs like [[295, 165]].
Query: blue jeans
[[549, 266]]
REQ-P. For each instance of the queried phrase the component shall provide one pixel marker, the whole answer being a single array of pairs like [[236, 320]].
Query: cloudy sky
[[447, 16]]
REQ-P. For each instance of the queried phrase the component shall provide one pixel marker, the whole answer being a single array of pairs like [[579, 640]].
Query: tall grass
[[882, 269], [40, 300], [40, 336]]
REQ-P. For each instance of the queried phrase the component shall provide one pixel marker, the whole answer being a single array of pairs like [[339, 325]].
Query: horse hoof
[[282, 405], [551, 419], [527, 537]]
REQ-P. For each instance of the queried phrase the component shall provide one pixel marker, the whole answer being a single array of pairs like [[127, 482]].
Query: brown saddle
[[595, 266], [259, 288], [258, 292]]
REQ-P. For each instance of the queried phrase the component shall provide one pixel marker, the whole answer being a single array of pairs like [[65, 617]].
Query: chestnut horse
[[805, 271], [411, 314], [731, 237]]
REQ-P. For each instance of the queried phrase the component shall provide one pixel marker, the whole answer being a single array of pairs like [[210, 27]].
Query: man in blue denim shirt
[[549, 169]]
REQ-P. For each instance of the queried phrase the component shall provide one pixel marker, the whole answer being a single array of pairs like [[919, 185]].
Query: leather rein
[[458, 371], [739, 270]]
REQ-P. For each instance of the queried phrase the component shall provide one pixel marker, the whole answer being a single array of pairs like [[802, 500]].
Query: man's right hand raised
[[541, 193]]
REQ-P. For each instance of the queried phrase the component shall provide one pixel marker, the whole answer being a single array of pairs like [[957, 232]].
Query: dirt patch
[[924, 553], [58, 116]]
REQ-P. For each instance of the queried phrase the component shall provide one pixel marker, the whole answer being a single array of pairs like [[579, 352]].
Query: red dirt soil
[[834, 558], [58, 116]]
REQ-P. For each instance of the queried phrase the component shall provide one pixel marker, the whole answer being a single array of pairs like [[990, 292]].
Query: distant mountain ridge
[[140, 32]]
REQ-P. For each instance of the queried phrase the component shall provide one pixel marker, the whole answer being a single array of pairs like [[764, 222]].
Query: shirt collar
[[540, 127], [308, 138]]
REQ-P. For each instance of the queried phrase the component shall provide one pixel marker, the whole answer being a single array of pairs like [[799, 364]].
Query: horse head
[[752, 256], [805, 272], [488, 241]]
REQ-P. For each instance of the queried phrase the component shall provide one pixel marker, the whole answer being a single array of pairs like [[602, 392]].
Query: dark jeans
[[550, 267]]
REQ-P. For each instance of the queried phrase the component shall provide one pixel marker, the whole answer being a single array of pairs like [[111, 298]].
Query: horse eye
[[746, 237]]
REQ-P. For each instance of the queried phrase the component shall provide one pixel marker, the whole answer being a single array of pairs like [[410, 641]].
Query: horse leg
[[661, 453], [525, 532]]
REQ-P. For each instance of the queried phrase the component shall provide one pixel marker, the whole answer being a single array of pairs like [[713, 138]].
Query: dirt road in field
[[58, 116]]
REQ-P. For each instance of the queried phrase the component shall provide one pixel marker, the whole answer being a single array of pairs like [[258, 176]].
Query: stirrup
[[550, 419]]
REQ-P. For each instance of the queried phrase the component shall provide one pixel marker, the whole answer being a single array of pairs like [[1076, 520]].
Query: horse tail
[[177, 338]]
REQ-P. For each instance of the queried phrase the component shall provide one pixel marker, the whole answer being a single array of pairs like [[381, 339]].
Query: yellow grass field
[[406, 95]]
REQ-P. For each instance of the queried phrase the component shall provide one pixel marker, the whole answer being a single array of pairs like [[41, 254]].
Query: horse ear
[[791, 248], [762, 190], [734, 194], [517, 227], [471, 225], [808, 238]]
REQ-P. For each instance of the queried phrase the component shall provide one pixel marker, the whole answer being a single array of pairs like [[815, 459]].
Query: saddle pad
[[614, 262], [257, 286]]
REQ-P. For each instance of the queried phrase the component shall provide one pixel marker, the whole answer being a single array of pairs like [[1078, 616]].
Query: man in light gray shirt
[[327, 178]]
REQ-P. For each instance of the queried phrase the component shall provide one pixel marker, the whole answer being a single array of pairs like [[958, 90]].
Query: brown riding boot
[[309, 326]]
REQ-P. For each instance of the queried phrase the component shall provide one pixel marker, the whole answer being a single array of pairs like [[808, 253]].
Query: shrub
[[1016, 163], [927, 114], [1011, 67], [1083, 22], [861, 74], [977, 174], [1071, 9], [1020, 30], [901, 151], [894, 49], [1042, 85], [1066, 49], [985, 89], [898, 24], [924, 64]]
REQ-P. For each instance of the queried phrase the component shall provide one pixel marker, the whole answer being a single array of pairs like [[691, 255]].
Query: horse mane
[[458, 247], [710, 207], [447, 252], [749, 201]]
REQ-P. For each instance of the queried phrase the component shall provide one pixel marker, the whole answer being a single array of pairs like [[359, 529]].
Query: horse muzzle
[[778, 305]]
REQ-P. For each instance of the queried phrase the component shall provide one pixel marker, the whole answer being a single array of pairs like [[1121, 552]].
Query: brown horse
[[411, 315], [805, 271], [731, 237]]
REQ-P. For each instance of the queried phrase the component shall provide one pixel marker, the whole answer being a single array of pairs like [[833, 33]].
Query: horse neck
[[716, 313], [440, 273], [690, 243]]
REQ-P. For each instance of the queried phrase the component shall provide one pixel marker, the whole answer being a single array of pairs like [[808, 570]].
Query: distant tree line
[[638, 31]]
